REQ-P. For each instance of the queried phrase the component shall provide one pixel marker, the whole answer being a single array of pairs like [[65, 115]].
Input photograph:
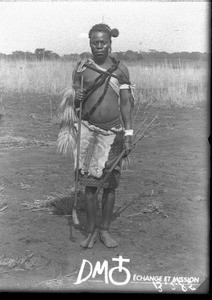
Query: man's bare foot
[[106, 239], [90, 240]]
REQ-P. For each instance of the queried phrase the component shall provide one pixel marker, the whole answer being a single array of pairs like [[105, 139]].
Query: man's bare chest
[[91, 77]]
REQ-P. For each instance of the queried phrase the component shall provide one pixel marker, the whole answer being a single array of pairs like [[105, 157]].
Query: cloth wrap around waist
[[99, 143]]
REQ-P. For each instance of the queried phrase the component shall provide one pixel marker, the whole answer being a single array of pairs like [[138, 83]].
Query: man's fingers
[[127, 152], [127, 147], [80, 95]]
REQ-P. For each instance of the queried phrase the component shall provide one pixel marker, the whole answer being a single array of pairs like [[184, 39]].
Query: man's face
[[100, 44]]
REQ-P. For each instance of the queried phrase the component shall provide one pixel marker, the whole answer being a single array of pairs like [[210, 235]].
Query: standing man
[[106, 127]]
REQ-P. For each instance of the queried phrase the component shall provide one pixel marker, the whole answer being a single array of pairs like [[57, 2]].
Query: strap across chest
[[98, 82]]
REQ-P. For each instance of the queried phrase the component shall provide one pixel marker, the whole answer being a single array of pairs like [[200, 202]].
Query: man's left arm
[[125, 108], [126, 112]]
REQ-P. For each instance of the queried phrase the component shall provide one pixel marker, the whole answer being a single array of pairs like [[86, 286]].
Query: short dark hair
[[104, 28]]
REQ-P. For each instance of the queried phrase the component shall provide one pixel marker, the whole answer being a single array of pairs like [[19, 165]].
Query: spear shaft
[[74, 212]]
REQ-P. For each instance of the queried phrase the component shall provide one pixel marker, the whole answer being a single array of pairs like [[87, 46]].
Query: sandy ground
[[168, 177]]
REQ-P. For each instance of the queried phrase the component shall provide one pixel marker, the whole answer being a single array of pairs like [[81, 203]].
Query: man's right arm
[[79, 95], [76, 79]]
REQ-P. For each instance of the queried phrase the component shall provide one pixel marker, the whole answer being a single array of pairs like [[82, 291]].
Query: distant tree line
[[41, 54]]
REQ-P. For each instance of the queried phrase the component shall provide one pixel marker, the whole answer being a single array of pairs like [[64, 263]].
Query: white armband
[[128, 132], [124, 86]]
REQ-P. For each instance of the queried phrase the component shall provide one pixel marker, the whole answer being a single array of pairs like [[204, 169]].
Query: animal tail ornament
[[67, 137]]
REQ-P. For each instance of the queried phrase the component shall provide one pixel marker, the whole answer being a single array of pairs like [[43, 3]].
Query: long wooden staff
[[74, 210]]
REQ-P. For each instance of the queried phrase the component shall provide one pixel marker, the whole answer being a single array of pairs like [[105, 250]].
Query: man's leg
[[91, 210], [108, 201]]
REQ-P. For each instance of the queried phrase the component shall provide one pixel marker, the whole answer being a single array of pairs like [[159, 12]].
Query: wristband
[[128, 132]]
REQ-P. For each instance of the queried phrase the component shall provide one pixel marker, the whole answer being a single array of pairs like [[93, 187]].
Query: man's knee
[[89, 192], [109, 191]]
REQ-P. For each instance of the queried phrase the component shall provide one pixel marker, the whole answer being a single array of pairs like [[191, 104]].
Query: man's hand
[[127, 144], [80, 95]]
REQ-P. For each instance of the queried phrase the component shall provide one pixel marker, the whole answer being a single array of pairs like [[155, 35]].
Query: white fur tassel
[[67, 117]]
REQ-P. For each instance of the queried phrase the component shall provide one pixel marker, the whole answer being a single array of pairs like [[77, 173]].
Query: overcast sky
[[63, 26]]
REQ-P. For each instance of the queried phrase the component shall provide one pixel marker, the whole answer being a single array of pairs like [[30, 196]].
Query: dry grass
[[18, 264], [161, 84], [154, 208], [58, 282], [8, 141], [166, 85], [45, 77]]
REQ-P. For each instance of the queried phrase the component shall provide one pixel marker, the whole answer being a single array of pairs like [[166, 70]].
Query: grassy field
[[161, 84]]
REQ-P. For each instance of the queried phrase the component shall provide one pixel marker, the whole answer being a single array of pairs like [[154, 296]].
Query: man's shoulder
[[122, 66], [76, 73], [123, 70]]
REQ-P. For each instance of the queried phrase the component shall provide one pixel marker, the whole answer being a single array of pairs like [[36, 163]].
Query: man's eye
[[96, 43]]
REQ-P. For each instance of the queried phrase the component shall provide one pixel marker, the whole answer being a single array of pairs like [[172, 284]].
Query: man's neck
[[100, 62]]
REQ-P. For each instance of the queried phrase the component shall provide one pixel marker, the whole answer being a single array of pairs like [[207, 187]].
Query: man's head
[[100, 40], [104, 28]]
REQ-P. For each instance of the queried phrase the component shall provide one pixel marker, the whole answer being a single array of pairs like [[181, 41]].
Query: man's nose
[[99, 45]]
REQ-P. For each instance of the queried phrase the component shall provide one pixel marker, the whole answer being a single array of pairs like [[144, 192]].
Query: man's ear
[[110, 48]]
